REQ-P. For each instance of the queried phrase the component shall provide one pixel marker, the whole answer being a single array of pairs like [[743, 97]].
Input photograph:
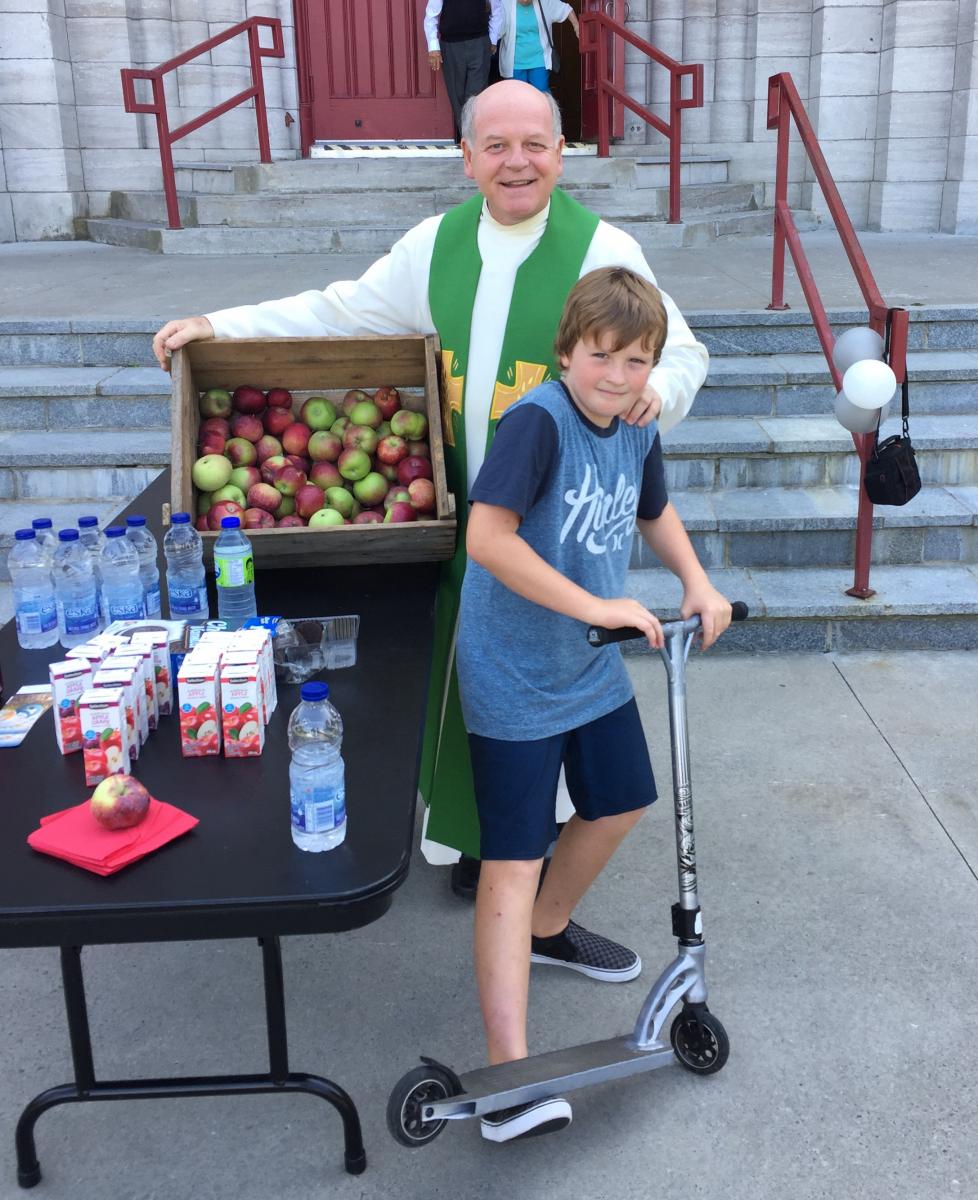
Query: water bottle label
[[153, 601], [36, 616], [185, 600], [234, 571], [318, 809], [125, 610], [81, 616]]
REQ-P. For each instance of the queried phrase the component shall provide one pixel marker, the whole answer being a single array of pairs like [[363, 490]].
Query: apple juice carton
[[198, 696], [245, 659], [260, 639], [159, 642], [145, 653], [69, 680], [146, 693], [90, 652], [128, 680], [241, 708], [106, 751]]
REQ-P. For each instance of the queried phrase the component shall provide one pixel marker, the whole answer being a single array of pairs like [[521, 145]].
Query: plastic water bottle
[[92, 538], [35, 611], [45, 535], [234, 567], [316, 775], [75, 592], [149, 572], [186, 581], [123, 598]]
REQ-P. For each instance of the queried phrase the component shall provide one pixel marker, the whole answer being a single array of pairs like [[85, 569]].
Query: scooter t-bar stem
[[597, 636]]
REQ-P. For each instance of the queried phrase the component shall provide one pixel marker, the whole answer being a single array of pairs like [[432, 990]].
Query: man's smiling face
[[514, 157]]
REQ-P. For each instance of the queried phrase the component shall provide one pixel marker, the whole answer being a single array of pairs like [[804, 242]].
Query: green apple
[[229, 492], [211, 472], [340, 499], [318, 413], [326, 517]]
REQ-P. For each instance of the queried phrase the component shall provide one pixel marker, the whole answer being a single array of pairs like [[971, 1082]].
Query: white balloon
[[869, 384], [854, 346], [856, 420]]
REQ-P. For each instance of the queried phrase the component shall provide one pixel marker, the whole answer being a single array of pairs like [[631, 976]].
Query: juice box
[[199, 699], [245, 658], [159, 641], [149, 678], [69, 679], [260, 640], [90, 652], [144, 673], [241, 708], [102, 715], [129, 680]]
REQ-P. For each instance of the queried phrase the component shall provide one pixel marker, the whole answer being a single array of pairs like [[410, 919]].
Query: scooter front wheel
[[699, 1040], [418, 1087]]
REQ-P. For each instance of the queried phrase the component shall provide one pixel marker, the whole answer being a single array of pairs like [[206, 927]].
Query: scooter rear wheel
[[418, 1087], [699, 1040]]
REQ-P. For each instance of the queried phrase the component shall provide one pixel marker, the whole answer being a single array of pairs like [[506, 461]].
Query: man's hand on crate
[[175, 334]]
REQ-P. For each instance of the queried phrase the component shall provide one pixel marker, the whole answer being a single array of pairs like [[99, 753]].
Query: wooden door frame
[[305, 85]]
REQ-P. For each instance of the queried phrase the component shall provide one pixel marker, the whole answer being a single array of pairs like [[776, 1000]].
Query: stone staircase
[[761, 472], [361, 206]]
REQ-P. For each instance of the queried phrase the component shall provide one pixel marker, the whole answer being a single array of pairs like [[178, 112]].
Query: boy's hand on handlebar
[[175, 334], [624, 613], [712, 608]]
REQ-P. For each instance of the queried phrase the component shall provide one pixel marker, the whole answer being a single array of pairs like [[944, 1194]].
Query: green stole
[[527, 359]]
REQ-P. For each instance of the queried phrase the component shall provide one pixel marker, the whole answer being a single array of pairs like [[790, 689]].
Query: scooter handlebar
[[597, 636]]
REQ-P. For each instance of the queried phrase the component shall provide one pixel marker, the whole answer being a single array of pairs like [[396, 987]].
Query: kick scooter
[[432, 1094]]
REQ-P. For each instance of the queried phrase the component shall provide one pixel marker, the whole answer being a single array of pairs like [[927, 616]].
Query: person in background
[[462, 37], [526, 47]]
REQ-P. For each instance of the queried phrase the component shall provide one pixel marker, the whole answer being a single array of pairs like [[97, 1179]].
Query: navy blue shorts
[[608, 772]]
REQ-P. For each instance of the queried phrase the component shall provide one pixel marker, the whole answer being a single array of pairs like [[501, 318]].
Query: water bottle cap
[[24, 535], [314, 691], [41, 523], [115, 531], [135, 522], [87, 522], [68, 535], [180, 518], [230, 522]]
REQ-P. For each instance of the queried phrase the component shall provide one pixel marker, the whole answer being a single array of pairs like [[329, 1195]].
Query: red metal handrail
[[783, 105], [166, 136], [592, 23]]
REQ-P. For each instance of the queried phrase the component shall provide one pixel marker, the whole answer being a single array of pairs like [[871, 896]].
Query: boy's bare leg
[[580, 855], [503, 909]]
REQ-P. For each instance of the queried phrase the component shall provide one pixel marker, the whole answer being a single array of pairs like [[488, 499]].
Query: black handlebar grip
[[739, 611], [597, 636]]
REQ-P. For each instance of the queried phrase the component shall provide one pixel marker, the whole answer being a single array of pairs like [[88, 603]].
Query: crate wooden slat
[[311, 365]]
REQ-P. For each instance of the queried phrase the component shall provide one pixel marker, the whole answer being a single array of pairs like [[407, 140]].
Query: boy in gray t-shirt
[[549, 539]]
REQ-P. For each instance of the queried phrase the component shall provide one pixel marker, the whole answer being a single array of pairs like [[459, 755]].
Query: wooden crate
[[312, 366]]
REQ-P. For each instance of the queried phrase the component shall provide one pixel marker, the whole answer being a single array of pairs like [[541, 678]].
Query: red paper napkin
[[75, 836]]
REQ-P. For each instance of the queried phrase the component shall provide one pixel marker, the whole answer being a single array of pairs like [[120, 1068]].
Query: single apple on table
[[211, 472], [258, 518], [279, 398], [119, 802], [245, 478], [309, 499], [353, 464], [263, 495], [246, 425], [277, 420], [318, 413], [388, 401], [248, 400], [325, 475], [324, 446], [323, 518], [216, 402], [241, 452]]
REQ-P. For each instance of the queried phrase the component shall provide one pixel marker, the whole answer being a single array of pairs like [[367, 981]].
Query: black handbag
[[891, 475], [554, 56]]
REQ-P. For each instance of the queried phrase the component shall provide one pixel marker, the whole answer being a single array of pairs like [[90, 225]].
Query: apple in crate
[[258, 518], [245, 478], [210, 443], [318, 413], [392, 449], [388, 470], [229, 492], [244, 425], [422, 493], [419, 450], [295, 439], [397, 494], [270, 467], [288, 480], [339, 426], [354, 464], [325, 475], [241, 452], [268, 447], [413, 467], [204, 502], [286, 508], [215, 403], [352, 398], [263, 495], [277, 420], [279, 398], [371, 489], [215, 425], [410, 425], [222, 509], [201, 525], [340, 499], [290, 522], [368, 517], [325, 517], [211, 472], [309, 499], [366, 413], [324, 446], [360, 437], [399, 512], [248, 400], [388, 401], [119, 802]]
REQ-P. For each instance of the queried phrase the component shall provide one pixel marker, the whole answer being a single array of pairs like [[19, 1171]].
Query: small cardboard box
[[242, 716], [106, 750], [159, 642], [199, 698], [130, 681], [69, 679], [143, 683], [144, 652]]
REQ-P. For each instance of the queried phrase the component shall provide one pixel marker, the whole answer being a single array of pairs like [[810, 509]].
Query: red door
[[589, 73], [369, 74]]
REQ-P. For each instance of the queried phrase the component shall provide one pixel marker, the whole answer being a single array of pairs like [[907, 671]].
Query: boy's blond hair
[[617, 301]]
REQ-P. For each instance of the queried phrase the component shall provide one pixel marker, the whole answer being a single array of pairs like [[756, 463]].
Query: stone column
[[41, 168], [915, 90], [959, 211]]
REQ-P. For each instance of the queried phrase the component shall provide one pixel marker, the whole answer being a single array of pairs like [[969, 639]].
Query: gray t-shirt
[[524, 671]]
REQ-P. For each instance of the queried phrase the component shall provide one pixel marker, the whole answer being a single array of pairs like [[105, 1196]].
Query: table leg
[[278, 1079]]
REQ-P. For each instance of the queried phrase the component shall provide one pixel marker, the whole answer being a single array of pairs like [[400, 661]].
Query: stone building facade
[[891, 87]]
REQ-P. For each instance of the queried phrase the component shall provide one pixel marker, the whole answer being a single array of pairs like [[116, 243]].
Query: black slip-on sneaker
[[589, 953]]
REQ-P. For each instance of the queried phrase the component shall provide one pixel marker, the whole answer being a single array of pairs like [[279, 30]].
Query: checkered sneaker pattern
[[589, 953]]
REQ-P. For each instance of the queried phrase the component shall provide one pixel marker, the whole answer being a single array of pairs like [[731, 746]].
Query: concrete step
[[47, 466], [715, 454], [71, 398], [89, 342], [18, 514], [915, 608], [813, 527]]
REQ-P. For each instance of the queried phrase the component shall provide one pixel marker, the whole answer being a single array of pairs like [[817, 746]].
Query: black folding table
[[237, 874]]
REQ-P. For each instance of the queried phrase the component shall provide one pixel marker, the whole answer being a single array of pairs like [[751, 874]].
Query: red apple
[[399, 513], [301, 464], [215, 403], [422, 493], [268, 446], [410, 425], [388, 470], [368, 517], [211, 443], [318, 413], [352, 398], [392, 449], [248, 400], [419, 449], [271, 466], [119, 802], [295, 439], [258, 518], [309, 499], [277, 420], [245, 478], [202, 525], [223, 508], [241, 452], [279, 398], [413, 468], [324, 446], [325, 475], [360, 437], [263, 495], [397, 495], [388, 401], [288, 480], [215, 425], [245, 425], [290, 522]]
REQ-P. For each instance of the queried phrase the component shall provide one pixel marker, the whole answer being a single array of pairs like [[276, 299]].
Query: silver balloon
[[854, 346], [855, 419]]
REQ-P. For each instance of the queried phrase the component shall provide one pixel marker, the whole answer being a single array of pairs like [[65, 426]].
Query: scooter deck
[[491, 1088]]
